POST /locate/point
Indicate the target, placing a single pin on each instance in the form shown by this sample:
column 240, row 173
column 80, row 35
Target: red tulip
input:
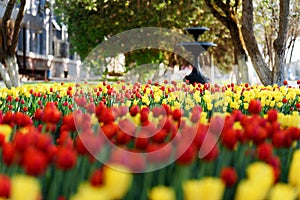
column 166, row 124
column 2, row 140
column 160, row 136
column 195, row 117
column 209, row 150
column 51, row 153
column 200, row 135
column 229, row 138
column 254, row 107
column 272, row 115
column 21, row 141
column 122, row 111
column 99, row 108
column 43, row 142
column 5, row 186
column 8, row 118
column 274, row 161
column 109, row 130
column 294, row 132
column 284, row 100
column 96, row 178
column 142, row 140
column 8, row 153
column 159, row 153
column 9, row 98
column 88, row 143
column 177, row 114
column 132, row 160
column 22, row 120
column 90, row 108
column 122, row 138
column 273, row 128
column 127, row 126
column 38, row 114
column 80, row 101
column 69, row 122
column 264, row 151
column 167, row 109
column 229, row 176
column 278, row 139
column 144, row 115
column 66, row 158
column 134, row 110
column 216, row 125
column 156, row 111
column 63, row 137
column 186, row 153
column 106, row 116
column 51, row 113
column 34, row 162
column 212, row 154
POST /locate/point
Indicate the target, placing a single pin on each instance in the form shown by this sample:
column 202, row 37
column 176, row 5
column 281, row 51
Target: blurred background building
column 43, row 48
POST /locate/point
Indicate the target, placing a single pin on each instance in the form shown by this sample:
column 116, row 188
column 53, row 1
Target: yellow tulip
column 88, row 192
column 207, row 188
column 209, row 106
column 117, row 181
column 262, row 173
column 250, row 190
column 162, row 193
column 5, row 130
column 156, row 98
column 128, row 103
column 145, row 99
column 25, row 188
column 246, row 106
column 283, row 191
column 177, row 105
column 237, row 126
column 294, row 175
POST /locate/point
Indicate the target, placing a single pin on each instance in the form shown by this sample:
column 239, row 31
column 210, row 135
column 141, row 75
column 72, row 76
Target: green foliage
column 267, row 24
column 90, row 22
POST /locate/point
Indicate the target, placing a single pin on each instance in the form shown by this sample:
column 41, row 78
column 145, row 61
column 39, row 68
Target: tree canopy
column 9, row 34
column 89, row 22
column 276, row 26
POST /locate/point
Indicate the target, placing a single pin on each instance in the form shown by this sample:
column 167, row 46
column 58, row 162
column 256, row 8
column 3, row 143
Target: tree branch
column 216, row 13
column 259, row 64
column 8, row 10
column 16, row 31
column 236, row 5
column 5, row 20
column 228, row 3
column 222, row 6
column 280, row 41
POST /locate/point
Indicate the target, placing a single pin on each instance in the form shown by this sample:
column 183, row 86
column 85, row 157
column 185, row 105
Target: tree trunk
column 9, row 34
column 260, row 66
column 243, row 69
column 5, row 76
column 10, row 73
column 228, row 17
column 239, row 51
column 13, row 70
column 280, row 43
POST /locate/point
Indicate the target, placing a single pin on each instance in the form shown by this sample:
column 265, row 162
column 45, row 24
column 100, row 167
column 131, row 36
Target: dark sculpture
column 196, row 48
column 195, row 77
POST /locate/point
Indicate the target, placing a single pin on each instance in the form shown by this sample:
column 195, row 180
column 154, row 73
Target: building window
column 20, row 41
column 42, row 41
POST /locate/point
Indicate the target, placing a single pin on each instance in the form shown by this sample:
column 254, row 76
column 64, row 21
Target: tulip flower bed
column 149, row 141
